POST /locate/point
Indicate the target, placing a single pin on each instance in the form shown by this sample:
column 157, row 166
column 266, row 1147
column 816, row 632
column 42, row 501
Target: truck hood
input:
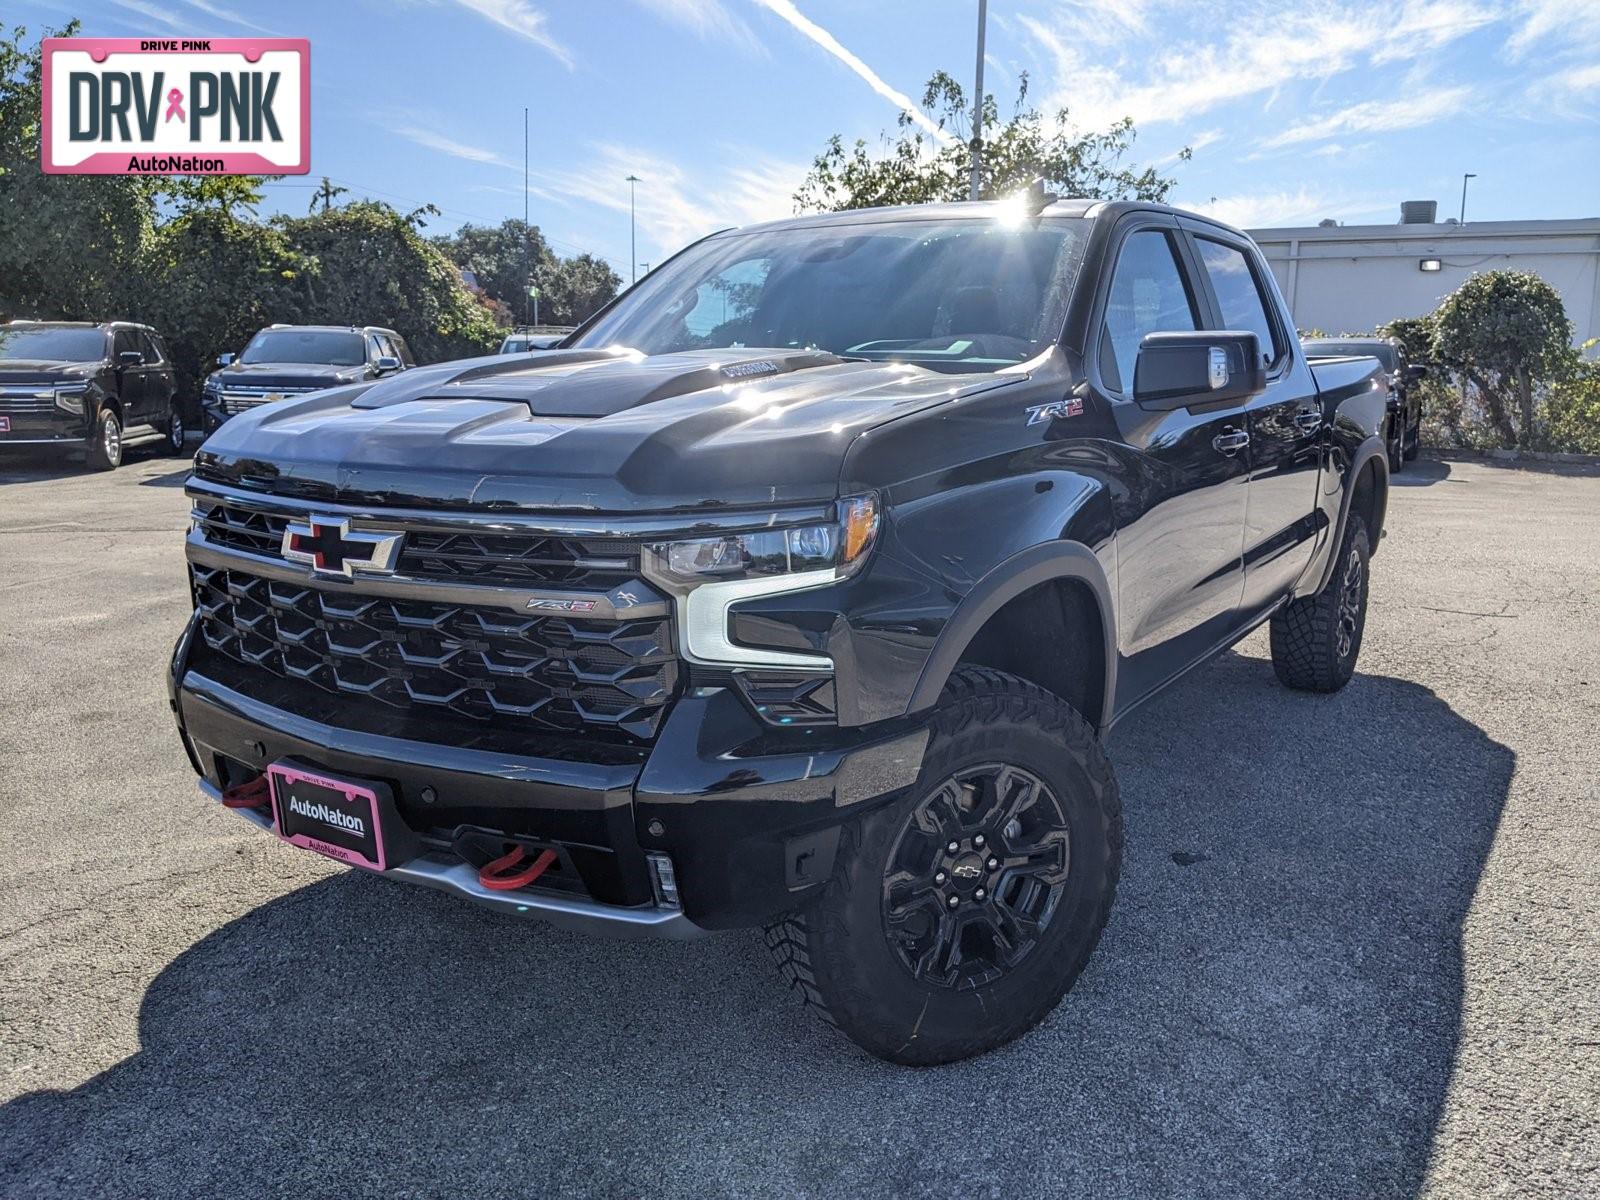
column 581, row 431
column 18, row 370
column 288, row 375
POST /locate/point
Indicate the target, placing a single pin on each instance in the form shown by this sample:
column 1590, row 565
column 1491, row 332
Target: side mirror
column 224, row 359
column 387, row 363
column 1416, row 371
column 130, row 358
column 1186, row 370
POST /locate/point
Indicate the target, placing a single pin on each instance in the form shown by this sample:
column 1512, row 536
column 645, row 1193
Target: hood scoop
column 598, row 383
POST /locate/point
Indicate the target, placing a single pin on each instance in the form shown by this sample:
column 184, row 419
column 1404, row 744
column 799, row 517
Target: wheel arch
column 1068, row 573
column 1366, row 491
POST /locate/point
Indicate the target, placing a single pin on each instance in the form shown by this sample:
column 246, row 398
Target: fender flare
column 1371, row 450
column 1010, row 579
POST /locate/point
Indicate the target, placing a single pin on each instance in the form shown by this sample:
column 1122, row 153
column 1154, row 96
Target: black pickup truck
column 798, row 590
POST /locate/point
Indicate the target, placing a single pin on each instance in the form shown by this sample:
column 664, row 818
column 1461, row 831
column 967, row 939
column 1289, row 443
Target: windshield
column 53, row 345
column 969, row 295
column 1378, row 350
column 306, row 346
column 514, row 346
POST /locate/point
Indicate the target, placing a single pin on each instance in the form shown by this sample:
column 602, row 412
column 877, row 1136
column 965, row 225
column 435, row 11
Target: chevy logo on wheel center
column 169, row 106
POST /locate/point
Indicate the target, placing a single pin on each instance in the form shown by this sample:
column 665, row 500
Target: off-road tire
column 1308, row 651
column 836, row 953
column 105, row 447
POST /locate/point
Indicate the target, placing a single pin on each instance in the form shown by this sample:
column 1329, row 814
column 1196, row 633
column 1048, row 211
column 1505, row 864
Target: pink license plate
column 330, row 816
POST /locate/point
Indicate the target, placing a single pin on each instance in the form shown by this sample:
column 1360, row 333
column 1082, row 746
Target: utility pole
column 1464, row 178
column 527, row 266
column 977, row 106
column 633, row 244
column 325, row 192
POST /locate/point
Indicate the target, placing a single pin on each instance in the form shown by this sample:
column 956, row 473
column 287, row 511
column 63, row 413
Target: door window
column 1148, row 295
column 125, row 340
column 1239, row 295
column 151, row 349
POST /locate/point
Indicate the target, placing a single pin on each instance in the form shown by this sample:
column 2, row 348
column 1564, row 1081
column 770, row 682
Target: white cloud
column 707, row 19
column 673, row 206
column 1181, row 78
column 786, row 10
column 1299, row 207
column 522, row 19
column 1376, row 116
column 151, row 12
column 445, row 145
column 1575, row 22
column 226, row 14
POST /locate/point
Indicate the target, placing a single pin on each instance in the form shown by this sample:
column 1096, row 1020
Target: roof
column 81, row 324
column 1430, row 232
column 971, row 210
column 333, row 328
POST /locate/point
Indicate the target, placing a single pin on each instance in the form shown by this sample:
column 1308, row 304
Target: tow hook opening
column 515, row 869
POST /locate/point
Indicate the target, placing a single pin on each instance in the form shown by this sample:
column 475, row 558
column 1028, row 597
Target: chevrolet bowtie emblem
column 329, row 547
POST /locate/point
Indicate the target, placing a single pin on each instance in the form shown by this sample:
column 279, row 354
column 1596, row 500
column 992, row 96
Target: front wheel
column 1414, row 442
column 1316, row 639
column 1396, row 444
column 958, row 917
column 105, row 448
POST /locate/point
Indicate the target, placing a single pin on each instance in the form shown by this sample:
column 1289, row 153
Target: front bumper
column 48, row 428
column 749, row 817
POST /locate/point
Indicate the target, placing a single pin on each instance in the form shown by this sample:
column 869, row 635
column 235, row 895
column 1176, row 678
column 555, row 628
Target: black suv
column 1402, row 432
column 290, row 360
column 99, row 387
column 799, row 589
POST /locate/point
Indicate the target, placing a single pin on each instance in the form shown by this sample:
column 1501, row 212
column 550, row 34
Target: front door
column 130, row 378
column 1285, row 421
column 1179, row 519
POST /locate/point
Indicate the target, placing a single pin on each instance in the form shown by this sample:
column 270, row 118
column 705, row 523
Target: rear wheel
column 958, row 917
column 174, row 429
column 1317, row 639
column 105, row 448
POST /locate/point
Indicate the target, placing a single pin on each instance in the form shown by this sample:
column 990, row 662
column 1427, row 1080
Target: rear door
column 131, row 388
column 1284, row 422
column 159, row 382
column 1179, row 571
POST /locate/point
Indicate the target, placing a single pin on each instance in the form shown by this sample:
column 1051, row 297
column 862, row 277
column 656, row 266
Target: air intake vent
column 1419, row 212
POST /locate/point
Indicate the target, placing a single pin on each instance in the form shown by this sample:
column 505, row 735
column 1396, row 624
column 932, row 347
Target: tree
column 503, row 257
column 1506, row 332
column 372, row 267
column 576, row 289
column 67, row 243
column 913, row 169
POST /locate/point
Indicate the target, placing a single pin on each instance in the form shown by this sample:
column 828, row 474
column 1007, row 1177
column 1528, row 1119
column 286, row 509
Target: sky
column 1295, row 110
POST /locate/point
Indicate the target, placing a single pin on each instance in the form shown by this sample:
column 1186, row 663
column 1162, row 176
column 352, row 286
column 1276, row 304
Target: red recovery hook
column 253, row 794
column 504, row 875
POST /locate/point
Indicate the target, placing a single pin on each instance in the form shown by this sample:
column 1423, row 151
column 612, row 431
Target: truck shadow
column 1275, row 1008
column 1424, row 472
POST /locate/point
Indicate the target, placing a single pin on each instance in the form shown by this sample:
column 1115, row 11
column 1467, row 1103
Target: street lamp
column 977, row 107
column 1464, row 178
column 633, row 245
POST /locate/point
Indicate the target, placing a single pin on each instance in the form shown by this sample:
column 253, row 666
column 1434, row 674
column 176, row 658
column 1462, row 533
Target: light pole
column 977, row 106
column 1463, row 218
column 633, row 244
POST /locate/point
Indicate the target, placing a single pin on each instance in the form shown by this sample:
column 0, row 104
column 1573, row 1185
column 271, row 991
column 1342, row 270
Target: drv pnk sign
column 170, row 106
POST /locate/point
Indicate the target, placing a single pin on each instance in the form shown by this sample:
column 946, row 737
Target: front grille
column 27, row 401
column 239, row 400
column 550, row 673
column 485, row 559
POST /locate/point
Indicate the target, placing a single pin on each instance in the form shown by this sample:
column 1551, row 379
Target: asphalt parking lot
column 1356, row 951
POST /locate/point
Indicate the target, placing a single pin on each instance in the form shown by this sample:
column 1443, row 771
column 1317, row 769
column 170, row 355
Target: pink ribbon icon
column 175, row 105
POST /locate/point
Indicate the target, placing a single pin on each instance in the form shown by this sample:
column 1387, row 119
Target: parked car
column 1402, row 433
column 289, row 360
column 95, row 387
column 534, row 337
column 799, row 590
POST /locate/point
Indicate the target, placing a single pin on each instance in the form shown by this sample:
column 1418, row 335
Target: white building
column 1352, row 278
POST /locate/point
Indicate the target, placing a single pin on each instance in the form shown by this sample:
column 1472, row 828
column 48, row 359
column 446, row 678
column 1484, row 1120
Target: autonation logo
column 328, row 816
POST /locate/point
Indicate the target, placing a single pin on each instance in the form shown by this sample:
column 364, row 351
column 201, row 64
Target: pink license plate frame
column 362, row 804
column 5, row 424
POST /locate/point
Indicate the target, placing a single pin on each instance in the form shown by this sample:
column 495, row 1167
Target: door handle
column 1308, row 420
column 1230, row 441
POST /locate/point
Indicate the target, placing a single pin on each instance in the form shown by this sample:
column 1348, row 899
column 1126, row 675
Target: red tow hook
column 248, row 795
column 503, row 875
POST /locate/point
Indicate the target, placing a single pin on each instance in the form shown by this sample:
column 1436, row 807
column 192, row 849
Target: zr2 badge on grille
column 330, row 547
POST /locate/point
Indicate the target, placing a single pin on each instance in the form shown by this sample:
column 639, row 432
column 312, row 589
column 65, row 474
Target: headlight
column 708, row 575
column 70, row 398
column 211, row 387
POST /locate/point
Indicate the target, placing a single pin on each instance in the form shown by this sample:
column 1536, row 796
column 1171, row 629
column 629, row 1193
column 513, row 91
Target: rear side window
column 1148, row 295
column 1238, row 294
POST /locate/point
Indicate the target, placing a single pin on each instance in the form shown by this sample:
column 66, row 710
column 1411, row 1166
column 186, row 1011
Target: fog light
column 663, row 880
